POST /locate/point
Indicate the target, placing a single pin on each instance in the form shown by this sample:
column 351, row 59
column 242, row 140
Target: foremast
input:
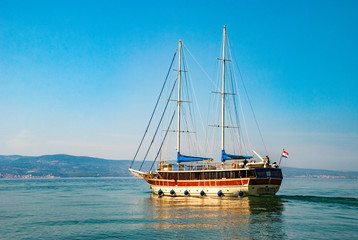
column 180, row 157
column 179, row 98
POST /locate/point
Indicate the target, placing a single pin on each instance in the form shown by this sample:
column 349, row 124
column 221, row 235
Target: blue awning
column 183, row 158
column 225, row 156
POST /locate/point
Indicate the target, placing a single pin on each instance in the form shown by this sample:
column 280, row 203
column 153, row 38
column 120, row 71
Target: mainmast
column 179, row 88
column 223, row 95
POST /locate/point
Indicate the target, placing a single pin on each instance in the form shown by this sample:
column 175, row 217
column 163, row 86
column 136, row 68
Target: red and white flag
column 284, row 154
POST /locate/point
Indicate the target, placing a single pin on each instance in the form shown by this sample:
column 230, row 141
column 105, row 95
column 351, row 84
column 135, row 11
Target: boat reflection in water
column 218, row 217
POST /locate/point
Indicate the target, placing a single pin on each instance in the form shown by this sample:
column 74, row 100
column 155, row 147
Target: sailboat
column 234, row 175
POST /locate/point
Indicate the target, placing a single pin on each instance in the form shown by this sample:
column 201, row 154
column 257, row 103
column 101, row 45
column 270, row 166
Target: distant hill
column 317, row 173
column 61, row 165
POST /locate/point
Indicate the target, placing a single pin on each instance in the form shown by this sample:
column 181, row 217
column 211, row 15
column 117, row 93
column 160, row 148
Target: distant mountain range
column 61, row 165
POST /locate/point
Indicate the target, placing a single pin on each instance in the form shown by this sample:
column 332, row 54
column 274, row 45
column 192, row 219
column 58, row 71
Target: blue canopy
column 183, row 158
column 225, row 156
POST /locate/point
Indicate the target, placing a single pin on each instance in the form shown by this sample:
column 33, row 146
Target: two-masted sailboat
column 235, row 175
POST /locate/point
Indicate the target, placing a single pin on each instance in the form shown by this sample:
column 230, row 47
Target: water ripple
column 322, row 199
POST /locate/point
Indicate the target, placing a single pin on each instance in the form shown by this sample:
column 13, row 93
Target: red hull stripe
column 193, row 183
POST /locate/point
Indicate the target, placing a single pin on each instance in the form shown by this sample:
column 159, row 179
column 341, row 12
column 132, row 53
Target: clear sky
column 82, row 77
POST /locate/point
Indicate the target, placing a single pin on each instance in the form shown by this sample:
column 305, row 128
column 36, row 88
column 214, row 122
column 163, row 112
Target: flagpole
column 279, row 164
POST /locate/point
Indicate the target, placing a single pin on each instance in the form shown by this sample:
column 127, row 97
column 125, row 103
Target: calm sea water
column 112, row 208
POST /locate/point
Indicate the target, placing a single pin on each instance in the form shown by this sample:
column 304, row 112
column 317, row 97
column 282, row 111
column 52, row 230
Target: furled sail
column 183, row 158
column 225, row 156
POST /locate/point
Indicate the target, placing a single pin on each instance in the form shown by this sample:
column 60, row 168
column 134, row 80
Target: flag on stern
column 284, row 154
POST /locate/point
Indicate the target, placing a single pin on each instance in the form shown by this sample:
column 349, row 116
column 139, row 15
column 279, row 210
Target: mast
column 179, row 88
column 223, row 96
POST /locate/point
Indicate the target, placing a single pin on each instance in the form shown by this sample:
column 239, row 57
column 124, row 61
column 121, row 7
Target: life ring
column 233, row 165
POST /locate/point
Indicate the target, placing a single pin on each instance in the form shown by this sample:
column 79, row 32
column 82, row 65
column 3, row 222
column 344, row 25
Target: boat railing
column 202, row 166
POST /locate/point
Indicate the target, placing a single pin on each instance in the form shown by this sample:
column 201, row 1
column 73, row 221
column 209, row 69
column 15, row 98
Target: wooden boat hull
column 213, row 188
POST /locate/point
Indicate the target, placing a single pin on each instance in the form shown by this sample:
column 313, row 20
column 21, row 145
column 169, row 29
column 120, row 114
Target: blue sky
column 81, row 77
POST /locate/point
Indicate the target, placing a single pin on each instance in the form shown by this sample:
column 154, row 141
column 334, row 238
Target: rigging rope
column 241, row 108
column 197, row 145
column 207, row 75
column 156, row 105
column 253, row 113
column 187, row 95
column 232, row 81
column 165, row 136
column 160, row 121
column 192, row 142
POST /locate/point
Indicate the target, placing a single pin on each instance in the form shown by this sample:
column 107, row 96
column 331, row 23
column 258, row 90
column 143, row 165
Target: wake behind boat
column 235, row 175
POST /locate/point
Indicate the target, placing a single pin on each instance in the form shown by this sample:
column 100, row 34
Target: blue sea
column 124, row 208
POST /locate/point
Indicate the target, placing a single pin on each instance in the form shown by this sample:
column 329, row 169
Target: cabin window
column 184, row 176
column 276, row 173
column 251, row 173
column 261, row 173
column 268, row 173
column 226, row 174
